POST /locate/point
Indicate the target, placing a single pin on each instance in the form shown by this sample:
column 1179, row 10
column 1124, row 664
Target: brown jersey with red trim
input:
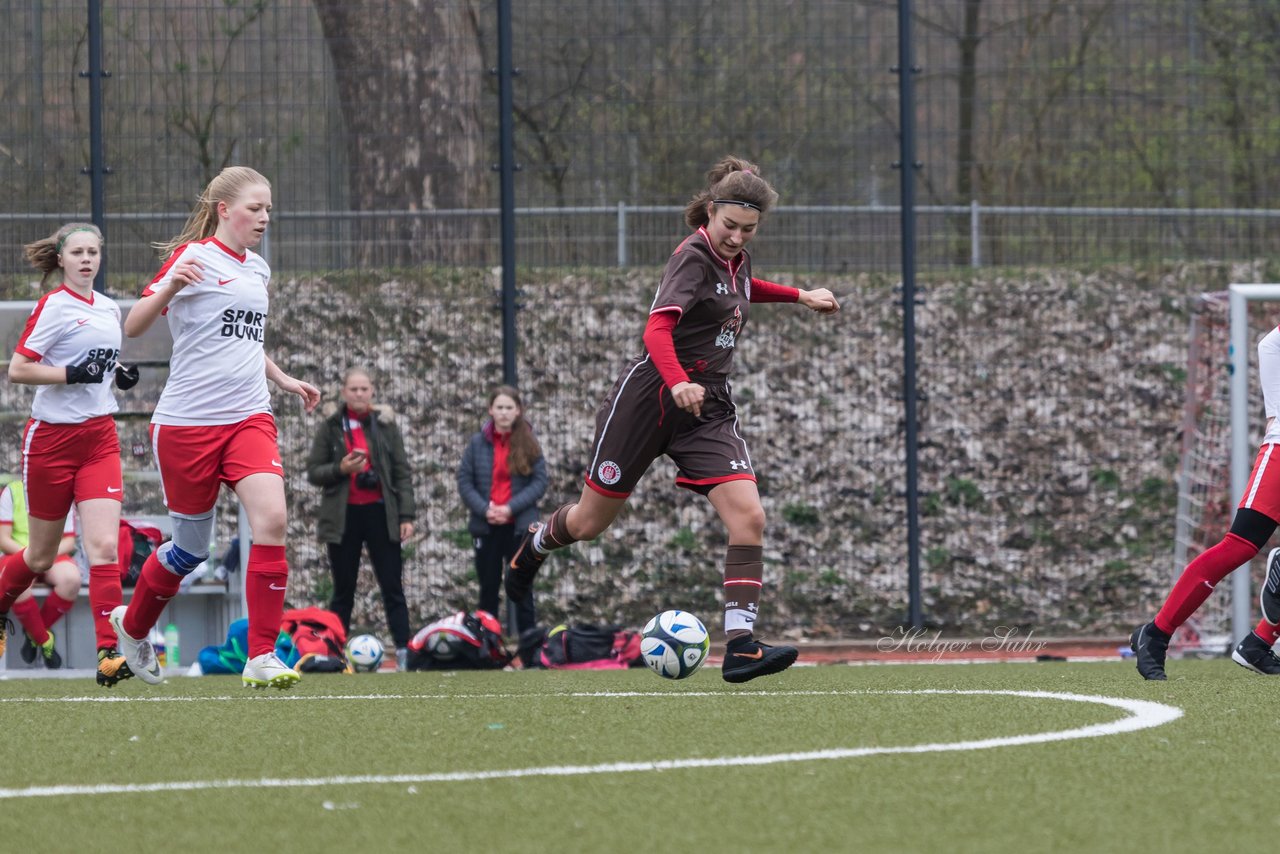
column 712, row 296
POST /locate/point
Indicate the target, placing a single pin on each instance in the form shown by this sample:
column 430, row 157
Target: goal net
column 1221, row 427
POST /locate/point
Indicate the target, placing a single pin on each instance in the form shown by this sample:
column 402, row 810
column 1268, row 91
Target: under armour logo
column 722, row 288
column 738, row 464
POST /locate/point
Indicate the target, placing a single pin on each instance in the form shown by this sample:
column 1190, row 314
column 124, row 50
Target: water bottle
column 171, row 646
column 157, row 644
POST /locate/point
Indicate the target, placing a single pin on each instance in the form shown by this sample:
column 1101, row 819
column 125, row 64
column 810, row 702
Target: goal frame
column 1239, row 296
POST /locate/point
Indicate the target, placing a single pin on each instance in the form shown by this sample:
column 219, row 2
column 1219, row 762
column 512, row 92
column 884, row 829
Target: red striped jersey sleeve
column 34, row 341
column 762, row 291
column 662, row 347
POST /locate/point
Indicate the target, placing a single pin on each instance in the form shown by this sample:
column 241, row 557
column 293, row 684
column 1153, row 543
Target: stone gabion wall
column 1050, row 409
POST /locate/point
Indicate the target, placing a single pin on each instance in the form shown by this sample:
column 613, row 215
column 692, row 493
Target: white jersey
column 66, row 329
column 217, row 373
column 1269, row 377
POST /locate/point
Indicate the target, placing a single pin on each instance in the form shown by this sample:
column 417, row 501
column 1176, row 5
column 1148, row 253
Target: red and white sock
column 1200, row 577
column 156, row 586
column 55, row 608
column 15, row 577
column 1267, row 632
column 105, row 595
column 266, row 581
column 28, row 613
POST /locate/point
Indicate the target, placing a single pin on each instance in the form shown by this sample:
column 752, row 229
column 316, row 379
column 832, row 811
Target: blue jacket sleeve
column 471, row 496
column 533, row 490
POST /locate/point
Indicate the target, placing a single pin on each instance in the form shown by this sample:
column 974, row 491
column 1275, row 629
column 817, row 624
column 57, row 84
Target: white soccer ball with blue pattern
column 365, row 653
column 674, row 644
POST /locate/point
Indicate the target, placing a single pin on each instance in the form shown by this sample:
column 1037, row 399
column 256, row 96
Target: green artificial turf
column 543, row 737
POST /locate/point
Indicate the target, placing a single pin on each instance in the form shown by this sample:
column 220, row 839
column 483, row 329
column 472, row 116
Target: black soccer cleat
column 1150, row 645
column 524, row 567
column 27, row 650
column 49, row 652
column 1269, row 597
column 1255, row 654
column 747, row 658
column 112, row 667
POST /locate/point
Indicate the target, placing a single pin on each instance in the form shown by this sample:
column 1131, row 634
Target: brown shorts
column 639, row 422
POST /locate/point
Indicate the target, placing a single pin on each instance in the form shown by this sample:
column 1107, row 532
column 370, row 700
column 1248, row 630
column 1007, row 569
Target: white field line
column 1142, row 714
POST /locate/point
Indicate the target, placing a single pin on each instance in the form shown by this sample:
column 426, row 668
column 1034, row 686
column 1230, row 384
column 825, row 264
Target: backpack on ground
column 319, row 642
column 582, row 647
column 136, row 543
column 464, row 641
column 231, row 656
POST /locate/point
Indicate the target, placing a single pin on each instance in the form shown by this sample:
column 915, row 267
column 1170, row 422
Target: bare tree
column 411, row 100
column 191, row 64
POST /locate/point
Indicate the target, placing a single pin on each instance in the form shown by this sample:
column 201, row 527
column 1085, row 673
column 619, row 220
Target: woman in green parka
column 358, row 459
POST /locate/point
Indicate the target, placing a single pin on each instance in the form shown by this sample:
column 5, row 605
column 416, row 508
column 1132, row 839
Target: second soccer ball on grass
column 365, row 653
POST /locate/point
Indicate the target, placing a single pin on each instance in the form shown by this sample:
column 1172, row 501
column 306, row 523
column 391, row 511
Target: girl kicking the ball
column 675, row 399
column 213, row 422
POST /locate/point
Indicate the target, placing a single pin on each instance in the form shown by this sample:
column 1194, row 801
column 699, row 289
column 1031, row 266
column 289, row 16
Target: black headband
column 737, row 202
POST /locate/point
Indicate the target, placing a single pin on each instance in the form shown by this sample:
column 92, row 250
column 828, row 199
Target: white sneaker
column 139, row 654
column 268, row 671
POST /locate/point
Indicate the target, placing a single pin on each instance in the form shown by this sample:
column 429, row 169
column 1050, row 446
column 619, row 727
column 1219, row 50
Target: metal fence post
column 97, row 169
column 507, row 168
column 907, row 166
column 622, row 234
column 975, row 235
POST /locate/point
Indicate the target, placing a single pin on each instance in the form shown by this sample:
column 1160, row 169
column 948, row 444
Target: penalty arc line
column 1142, row 714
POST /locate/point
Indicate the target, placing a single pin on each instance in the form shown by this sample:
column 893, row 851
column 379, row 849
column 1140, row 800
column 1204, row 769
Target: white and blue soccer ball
column 365, row 653
column 674, row 644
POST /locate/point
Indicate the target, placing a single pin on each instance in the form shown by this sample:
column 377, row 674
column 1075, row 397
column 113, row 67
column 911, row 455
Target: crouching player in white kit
column 213, row 422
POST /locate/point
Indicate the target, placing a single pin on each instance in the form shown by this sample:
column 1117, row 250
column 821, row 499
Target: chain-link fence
column 1087, row 131
column 1049, row 133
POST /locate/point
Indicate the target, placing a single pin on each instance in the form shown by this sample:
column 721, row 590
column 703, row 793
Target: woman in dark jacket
column 501, row 478
column 358, row 458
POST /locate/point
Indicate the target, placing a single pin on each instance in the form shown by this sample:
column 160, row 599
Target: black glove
column 126, row 376
column 91, row 370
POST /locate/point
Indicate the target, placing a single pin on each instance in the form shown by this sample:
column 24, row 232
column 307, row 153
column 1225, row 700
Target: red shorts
column 64, row 464
column 195, row 461
column 1262, row 492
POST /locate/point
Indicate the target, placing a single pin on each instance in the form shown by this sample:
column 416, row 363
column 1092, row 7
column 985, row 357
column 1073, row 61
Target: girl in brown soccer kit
column 675, row 399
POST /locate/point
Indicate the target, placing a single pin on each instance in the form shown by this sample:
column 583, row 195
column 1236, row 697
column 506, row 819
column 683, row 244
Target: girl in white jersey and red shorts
column 70, row 452
column 675, row 400
column 213, row 422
